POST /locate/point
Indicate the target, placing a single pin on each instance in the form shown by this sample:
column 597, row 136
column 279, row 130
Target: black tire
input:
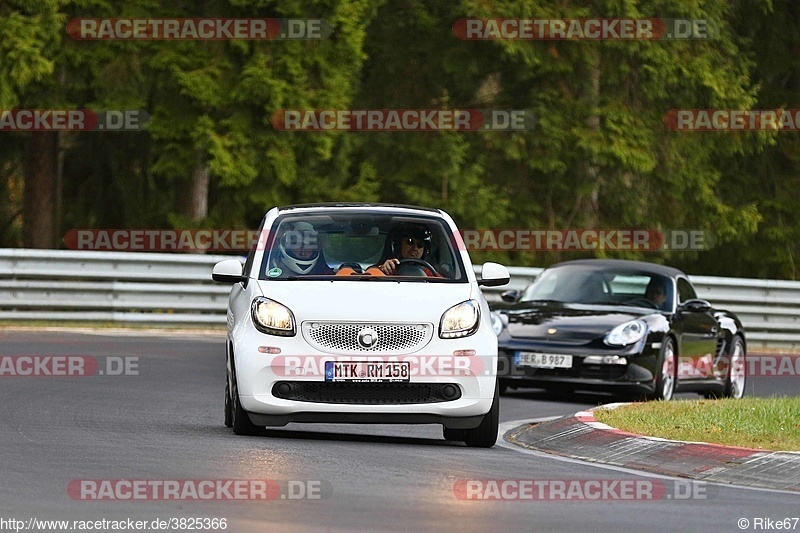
column 666, row 373
column 736, row 378
column 228, row 410
column 712, row 395
column 485, row 435
column 503, row 385
column 456, row 435
column 241, row 423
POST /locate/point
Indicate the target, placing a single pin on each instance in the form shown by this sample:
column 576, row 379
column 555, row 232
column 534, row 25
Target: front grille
column 387, row 338
column 367, row 393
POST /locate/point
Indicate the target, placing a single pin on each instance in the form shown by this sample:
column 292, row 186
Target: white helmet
column 301, row 238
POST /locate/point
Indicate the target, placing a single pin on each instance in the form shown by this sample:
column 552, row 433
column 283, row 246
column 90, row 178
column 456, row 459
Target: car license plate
column 362, row 371
column 543, row 360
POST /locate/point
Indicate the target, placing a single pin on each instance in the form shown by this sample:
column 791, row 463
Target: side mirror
column 228, row 271
column 510, row 296
column 695, row 306
column 494, row 275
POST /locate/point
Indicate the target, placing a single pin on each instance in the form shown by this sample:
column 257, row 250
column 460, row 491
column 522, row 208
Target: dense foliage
column 600, row 155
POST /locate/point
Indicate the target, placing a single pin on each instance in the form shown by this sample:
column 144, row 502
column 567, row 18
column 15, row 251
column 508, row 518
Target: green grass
column 765, row 423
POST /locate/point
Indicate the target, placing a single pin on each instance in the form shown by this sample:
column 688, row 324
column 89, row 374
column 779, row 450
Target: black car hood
column 571, row 322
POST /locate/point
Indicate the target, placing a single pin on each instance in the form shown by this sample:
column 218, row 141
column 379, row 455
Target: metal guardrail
column 163, row 289
column 120, row 287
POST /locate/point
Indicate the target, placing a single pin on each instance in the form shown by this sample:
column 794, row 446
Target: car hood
column 571, row 322
column 372, row 301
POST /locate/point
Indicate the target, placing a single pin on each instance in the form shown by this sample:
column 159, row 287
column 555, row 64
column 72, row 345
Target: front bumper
column 637, row 374
column 310, row 398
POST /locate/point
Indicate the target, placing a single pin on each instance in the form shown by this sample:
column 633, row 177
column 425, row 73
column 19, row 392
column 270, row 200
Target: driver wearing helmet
column 298, row 253
column 410, row 241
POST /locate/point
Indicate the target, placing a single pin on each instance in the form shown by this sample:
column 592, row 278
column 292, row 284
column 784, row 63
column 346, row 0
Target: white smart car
column 361, row 313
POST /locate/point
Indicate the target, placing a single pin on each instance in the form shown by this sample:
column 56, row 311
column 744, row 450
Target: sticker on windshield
column 274, row 272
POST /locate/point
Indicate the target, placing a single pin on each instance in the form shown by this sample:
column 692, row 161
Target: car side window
column 685, row 291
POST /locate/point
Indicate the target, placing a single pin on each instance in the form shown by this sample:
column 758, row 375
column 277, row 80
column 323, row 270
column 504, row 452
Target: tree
column 28, row 45
column 600, row 155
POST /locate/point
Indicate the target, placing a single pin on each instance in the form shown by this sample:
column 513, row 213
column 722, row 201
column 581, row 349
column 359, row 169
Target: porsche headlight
column 497, row 323
column 271, row 317
column 461, row 320
column 627, row 333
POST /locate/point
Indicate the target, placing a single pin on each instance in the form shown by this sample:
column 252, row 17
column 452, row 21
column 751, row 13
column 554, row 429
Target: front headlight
column 497, row 323
column 271, row 317
column 627, row 333
column 461, row 320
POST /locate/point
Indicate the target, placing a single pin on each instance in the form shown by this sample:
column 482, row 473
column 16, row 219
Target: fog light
column 284, row 389
column 449, row 391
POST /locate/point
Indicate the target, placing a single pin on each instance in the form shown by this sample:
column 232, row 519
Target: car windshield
column 351, row 245
column 606, row 286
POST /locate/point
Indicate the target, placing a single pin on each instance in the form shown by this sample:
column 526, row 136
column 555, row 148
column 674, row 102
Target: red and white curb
column 581, row 436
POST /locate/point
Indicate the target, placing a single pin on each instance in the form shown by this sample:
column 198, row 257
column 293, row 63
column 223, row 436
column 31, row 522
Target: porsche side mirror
column 695, row 306
column 510, row 296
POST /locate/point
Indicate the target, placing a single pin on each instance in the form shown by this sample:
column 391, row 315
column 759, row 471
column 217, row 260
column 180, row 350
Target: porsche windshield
column 590, row 285
column 356, row 246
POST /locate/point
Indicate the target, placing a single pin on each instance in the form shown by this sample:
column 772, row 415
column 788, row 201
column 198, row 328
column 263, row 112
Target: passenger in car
column 298, row 253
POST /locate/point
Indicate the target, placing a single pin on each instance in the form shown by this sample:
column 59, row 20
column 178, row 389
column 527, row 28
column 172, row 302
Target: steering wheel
column 645, row 301
column 354, row 266
column 406, row 267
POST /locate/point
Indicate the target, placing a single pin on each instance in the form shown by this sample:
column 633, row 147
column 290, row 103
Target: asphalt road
column 164, row 422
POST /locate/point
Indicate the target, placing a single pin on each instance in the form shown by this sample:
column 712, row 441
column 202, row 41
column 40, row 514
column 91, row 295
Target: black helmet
column 411, row 230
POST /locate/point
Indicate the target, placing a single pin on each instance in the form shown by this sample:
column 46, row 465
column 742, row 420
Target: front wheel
column 228, row 409
column 665, row 374
column 485, row 435
column 241, row 422
column 734, row 383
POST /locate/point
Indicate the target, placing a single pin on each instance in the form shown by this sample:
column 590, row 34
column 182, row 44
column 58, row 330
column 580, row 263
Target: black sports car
column 621, row 327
